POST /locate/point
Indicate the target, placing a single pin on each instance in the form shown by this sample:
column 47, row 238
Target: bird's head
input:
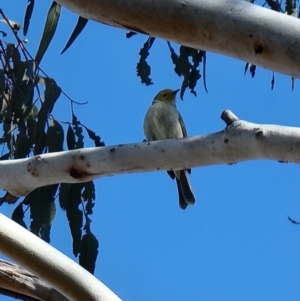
column 166, row 95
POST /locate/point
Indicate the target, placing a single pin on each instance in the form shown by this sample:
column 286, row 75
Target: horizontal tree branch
column 239, row 141
column 234, row 28
column 20, row 282
column 43, row 260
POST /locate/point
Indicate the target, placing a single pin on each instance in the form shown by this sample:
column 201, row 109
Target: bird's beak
column 175, row 91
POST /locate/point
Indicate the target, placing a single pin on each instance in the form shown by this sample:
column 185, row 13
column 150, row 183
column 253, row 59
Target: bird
column 163, row 121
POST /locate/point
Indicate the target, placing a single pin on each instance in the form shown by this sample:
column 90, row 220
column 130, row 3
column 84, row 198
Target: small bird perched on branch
column 163, row 121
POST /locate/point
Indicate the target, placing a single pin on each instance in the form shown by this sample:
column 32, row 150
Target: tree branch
column 17, row 282
column 234, row 28
column 239, row 141
column 64, row 274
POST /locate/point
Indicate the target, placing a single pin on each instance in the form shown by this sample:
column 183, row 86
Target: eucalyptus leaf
column 55, row 137
column 142, row 67
column 88, row 252
column 81, row 23
column 51, row 94
column 49, row 30
column 28, row 15
column 18, row 215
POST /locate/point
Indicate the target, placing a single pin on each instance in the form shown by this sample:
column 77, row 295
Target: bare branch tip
column 228, row 117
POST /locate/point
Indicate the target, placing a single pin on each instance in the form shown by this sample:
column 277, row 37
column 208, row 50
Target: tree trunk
column 230, row 27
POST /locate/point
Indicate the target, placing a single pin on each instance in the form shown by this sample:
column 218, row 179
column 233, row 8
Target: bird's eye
column 164, row 95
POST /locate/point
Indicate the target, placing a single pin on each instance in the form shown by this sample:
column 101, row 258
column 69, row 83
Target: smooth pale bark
column 239, row 141
column 24, row 284
column 64, row 274
column 234, row 28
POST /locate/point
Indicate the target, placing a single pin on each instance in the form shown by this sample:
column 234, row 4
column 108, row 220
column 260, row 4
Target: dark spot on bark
column 148, row 143
column 226, row 140
column 112, row 150
column 34, row 173
column 82, row 156
column 74, row 173
column 259, row 134
column 87, row 165
column 162, row 150
column 250, row 35
column 258, row 47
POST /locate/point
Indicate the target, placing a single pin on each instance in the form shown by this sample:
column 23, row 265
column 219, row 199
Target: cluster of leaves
column 27, row 99
column 183, row 66
column 290, row 8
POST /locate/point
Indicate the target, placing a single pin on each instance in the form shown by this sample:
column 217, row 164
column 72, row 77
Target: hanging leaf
column 51, row 94
column 18, row 215
column 8, row 128
column 48, row 219
column 78, row 132
column 204, row 69
column 55, row 137
column 188, row 68
column 293, row 221
column 246, row 68
column 88, row 252
column 5, row 157
column 37, row 136
column 272, row 81
column 142, row 67
column 49, row 30
column 28, row 15
column 81, row 23
column 23, row 146
column 2, row 85
column 174, row 58
column 42, row 210
column 89, row 196
column 70, row 138
column 130, row 34
column 31, row 68
column 95, row 138
column 252, row 70
column 290, row 8
column 70, row 199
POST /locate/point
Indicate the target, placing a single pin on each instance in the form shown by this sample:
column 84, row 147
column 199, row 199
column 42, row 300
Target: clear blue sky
column 236, row 243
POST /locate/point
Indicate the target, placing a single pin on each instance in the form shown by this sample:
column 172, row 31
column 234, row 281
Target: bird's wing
column 182, row 125
column 184, row 133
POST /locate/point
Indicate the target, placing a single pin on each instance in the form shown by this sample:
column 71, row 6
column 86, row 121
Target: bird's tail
column 185, row 192
column 182, row 202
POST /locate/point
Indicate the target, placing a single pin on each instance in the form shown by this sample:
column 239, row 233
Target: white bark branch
column 64, row 274
column 234, row 28
column 239, row 141
column 19, row 281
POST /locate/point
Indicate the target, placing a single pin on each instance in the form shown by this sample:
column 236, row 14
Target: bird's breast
column 162, row 122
